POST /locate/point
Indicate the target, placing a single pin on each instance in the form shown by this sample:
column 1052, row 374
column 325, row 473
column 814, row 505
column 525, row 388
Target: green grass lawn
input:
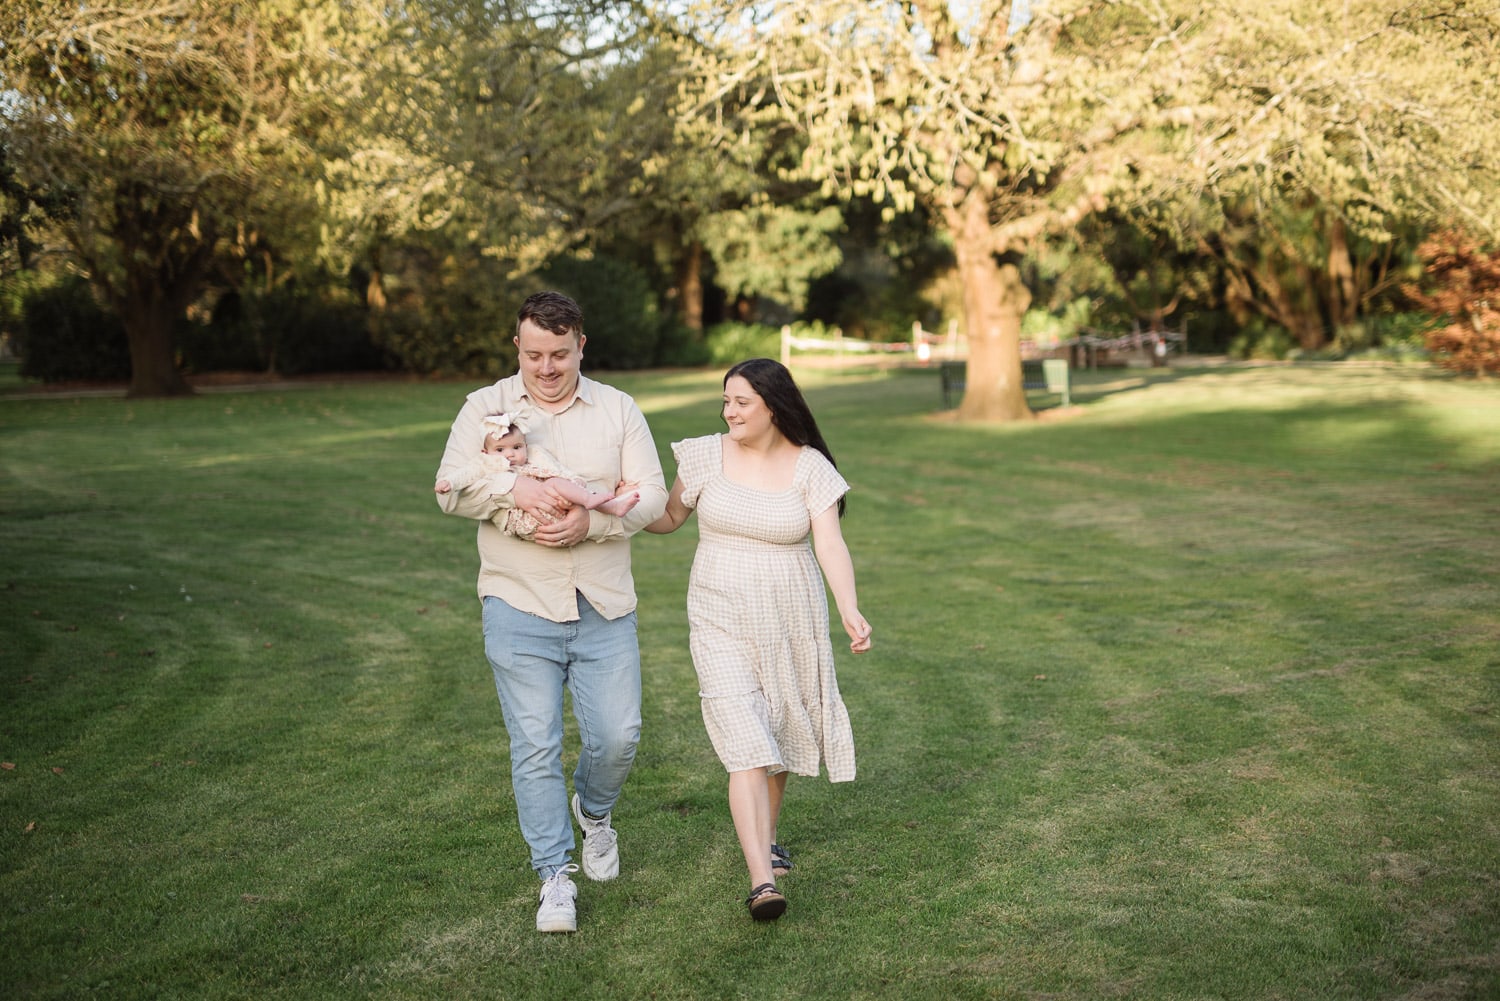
column 1189, row 692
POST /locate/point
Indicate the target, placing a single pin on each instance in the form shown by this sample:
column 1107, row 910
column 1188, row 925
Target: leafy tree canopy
column 178, row 135
column 1009, row 130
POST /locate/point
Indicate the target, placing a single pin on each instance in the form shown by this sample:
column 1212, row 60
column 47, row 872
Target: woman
column 757, row 611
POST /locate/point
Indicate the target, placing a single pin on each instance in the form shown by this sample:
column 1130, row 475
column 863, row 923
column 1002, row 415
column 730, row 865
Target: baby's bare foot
column 620, row 506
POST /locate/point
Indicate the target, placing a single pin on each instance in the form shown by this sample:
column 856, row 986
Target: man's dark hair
column 552, row 311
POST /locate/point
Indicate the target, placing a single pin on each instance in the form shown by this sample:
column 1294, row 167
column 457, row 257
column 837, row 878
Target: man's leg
column 605, row 679
column 528, row 655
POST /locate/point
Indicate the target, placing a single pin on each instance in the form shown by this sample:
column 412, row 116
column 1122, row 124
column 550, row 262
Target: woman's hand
column 859, row 632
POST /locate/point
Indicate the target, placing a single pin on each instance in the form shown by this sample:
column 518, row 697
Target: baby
column 505, row 450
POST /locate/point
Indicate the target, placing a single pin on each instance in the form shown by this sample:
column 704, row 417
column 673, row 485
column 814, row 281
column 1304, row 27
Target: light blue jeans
column 599, row 661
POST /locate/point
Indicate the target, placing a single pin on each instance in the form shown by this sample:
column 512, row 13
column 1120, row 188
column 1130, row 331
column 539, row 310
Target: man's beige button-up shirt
column 603, row 437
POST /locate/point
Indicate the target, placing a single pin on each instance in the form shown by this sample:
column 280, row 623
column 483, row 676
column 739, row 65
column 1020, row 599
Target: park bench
column 1051, row 374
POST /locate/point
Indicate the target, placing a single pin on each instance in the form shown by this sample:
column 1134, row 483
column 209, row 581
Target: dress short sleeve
column 821, row 484
column 698, row 461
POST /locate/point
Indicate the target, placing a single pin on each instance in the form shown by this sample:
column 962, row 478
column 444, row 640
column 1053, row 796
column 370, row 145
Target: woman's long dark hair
column 789, row 410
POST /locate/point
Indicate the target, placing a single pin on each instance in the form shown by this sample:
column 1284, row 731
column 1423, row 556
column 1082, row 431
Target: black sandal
column 766, row 903
column 781, row 861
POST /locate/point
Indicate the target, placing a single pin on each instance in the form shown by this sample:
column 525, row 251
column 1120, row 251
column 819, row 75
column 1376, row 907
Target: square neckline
column 724, row 474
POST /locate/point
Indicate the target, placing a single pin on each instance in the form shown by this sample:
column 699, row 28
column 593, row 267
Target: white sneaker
column 601, row 855
column 557, row 912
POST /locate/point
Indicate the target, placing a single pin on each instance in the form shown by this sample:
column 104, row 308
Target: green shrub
column 682, row 348
column 15, row 288
column 1385, row 336
column 1261, row 340
column 323, row 332
column 1045, row 327
column 66, row 335
column 622, row 320
column 228, row 342
column 292, row 331
column 448, row 309
column 1209, row 331
column 728, row 343
column 436, row 342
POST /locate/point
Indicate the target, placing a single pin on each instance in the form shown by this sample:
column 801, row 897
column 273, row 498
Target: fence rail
column 926, row 346
column 838, row 345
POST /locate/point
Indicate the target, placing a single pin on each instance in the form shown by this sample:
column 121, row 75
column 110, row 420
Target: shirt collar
column 584, row 393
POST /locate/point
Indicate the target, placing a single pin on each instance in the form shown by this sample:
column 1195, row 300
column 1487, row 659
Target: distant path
column 210, row 382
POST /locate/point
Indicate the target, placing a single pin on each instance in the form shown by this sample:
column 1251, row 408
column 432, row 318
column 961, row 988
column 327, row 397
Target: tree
column 669, row 203
column 24, row 217
column 1001, row 130
column 177, row 132
column 1325, row 135
column 774, row 251
column 24, row 210
column 1462, row 289
column 495, row 137
column 1010, row 129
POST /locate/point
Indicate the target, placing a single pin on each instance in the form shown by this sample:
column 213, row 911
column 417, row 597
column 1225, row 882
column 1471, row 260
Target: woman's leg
column 750, row 806
column 776, row 788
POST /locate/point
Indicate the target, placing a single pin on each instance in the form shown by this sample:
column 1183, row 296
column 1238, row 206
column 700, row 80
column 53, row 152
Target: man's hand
column 571, row 528
column 538, row 500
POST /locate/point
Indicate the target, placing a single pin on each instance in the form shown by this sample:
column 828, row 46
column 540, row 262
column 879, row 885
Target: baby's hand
column 442, row 487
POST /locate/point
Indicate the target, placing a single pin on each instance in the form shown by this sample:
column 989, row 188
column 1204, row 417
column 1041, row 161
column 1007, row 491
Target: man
column 559, row 610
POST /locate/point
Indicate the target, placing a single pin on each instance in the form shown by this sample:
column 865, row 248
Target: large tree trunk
column 995, row 299
column 1343, row 293
column 153, row 364
column 166, row 249
column 149, row 313
column 1254, row 286
column 690, row 286
column 375, row 287
column 1291, row 304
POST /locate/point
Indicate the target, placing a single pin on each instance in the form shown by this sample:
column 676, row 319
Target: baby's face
column 511, row 445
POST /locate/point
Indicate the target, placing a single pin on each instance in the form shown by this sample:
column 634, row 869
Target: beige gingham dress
column 758, row 617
